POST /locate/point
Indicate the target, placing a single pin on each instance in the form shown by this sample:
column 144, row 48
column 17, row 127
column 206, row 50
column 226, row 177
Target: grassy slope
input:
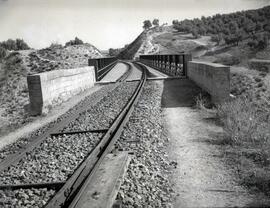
column 247, row 123
column 166, row 40
column 15, row 68
column 132, row 48
column 171, row 41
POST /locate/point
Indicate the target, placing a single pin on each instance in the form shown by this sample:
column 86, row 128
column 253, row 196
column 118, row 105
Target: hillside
column 198, row 36
column 166, row 40
column 17, row 65
column 231, row 39
column 238, row 38
column 130, row 51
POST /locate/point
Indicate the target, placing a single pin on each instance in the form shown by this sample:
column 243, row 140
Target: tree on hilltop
column 55, row 45
column 14, row 45
column 147, row 24
column 155, row 22
column 175, row 22
column 21, row 45
column 77, row 41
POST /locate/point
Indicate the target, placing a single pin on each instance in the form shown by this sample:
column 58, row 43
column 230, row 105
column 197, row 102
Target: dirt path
column 201, row 177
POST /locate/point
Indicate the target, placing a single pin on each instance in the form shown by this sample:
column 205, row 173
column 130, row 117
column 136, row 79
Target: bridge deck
column 135, row 74
column 116, row 72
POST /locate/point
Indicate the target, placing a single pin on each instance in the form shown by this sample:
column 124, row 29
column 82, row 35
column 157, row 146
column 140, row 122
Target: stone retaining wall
column 49, row 88
column 213, row 78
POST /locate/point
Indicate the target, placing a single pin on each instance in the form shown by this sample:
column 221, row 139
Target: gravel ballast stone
column 34, row 198
column 102, row 115
column 54, row 160
column 146, row 183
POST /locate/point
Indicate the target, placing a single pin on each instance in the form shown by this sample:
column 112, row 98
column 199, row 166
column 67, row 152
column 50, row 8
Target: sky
column 103, row 23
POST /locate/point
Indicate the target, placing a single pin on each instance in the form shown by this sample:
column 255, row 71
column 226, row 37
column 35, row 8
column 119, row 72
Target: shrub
column 228, row 60
column 14, row 45
column 114, row 52
column 3, row 52
column 243, row 121
column 147, row 24
column 56, row 46
column 21, row 45
column 195, row 33
column 76, row 41
column 203, row 101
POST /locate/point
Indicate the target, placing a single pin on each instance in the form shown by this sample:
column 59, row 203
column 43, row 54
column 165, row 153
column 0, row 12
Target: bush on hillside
column 114, row 52
column 247, row 140
column 243, row 121
column 76, row 41
column 56, row 46
column 21, row 45
column 3, row 52
column 259, row 41
column 14, row 45
column 227, row 60
column 195, row 33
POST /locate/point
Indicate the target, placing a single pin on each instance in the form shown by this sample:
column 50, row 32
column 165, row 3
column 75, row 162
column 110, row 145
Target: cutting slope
column 166, row 40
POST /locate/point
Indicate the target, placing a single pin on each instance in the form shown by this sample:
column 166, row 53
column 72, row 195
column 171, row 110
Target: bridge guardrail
column 102, row 66
column 171, row 64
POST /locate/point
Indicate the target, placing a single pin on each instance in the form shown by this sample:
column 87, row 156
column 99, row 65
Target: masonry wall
column 50, row 88
column 213, row 78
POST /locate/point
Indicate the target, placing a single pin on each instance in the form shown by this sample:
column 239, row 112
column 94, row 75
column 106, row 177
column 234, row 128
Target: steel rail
column 56, row 185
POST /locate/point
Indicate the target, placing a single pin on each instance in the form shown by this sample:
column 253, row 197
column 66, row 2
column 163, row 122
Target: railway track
column 14, row 151
column 56, row 166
